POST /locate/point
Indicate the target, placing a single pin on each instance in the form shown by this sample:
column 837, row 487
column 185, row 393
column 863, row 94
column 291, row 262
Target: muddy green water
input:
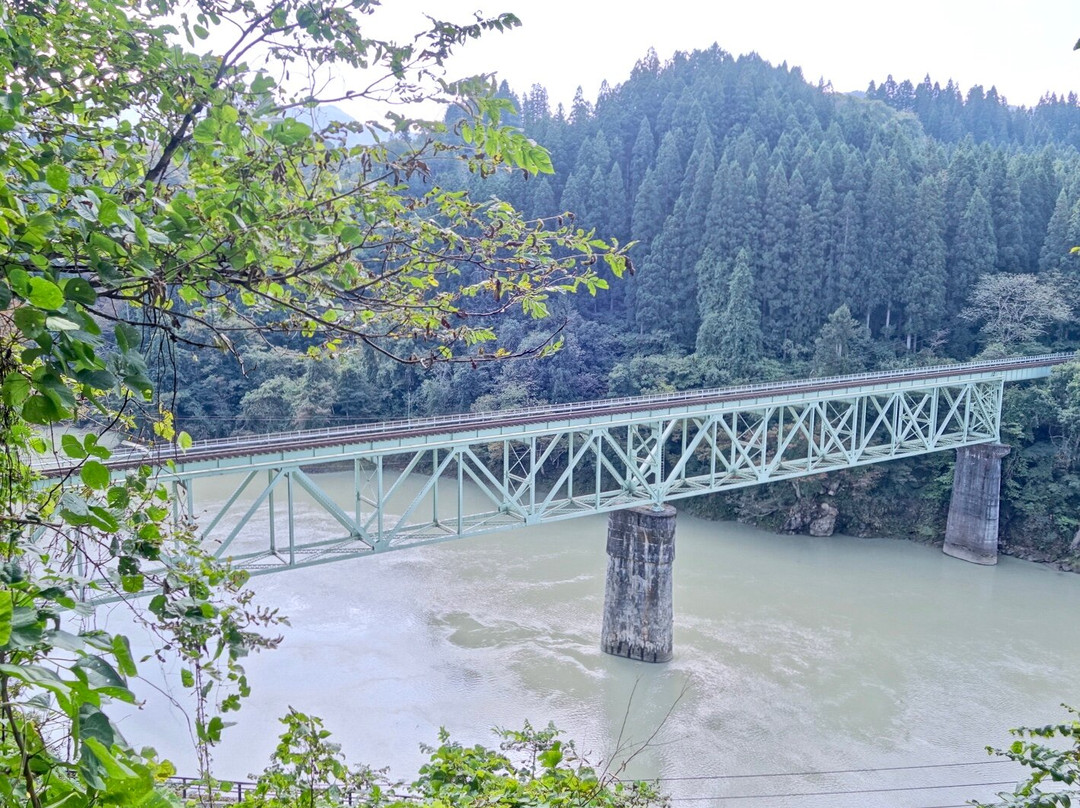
column 792, row 654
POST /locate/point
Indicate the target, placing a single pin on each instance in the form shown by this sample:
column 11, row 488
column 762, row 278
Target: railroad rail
column 245, row 445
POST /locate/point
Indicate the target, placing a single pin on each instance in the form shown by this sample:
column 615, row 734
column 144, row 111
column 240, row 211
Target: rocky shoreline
column 858, row 504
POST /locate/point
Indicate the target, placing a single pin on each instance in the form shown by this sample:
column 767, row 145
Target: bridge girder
column 404, row 496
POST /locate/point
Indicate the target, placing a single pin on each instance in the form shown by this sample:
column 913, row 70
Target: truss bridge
column 418, row 481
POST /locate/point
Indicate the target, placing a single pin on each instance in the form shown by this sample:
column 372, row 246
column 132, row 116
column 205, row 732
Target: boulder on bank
column 815, row 518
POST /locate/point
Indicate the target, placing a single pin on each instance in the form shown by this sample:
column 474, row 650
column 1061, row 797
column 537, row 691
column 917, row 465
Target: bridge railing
column 616, row 403
column 561, row 411
column 228, row 792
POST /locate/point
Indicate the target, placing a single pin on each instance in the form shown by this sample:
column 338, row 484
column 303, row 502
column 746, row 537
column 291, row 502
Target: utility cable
column 829, row 771
column 839, row 792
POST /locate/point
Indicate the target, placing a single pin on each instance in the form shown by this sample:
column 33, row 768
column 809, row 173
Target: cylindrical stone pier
column 637, row 602
column 971, row 533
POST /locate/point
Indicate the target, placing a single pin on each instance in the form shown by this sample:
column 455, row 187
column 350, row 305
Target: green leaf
column 141, row 234
column 73, row 447
column 61, row 324
column 80, row 291
column 103, row 519
column 205, row 131
column 95, row 474
column 99, row 673
column 289, row 132
column 118, row 497
column 57, row 176
column 26, row 627
column 127, row 336
column 19, row 279
column 65, row 640
column 108, row 213
column 7, row 610
column 30, row 321
column 37, row 676
column 228, row 113
column 15, row 389
column 262, row 83
column 44, row 294
column 351, row 234
column 122, row 652
column 95, row 724
column 552, row 757
column 39, row 409
column 90, row 443
column 212, row 733
column 98, row 379
column 40, row 224
column 183, row 440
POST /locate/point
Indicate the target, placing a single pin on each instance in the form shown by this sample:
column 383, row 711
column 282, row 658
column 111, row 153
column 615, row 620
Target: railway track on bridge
column 57, row 465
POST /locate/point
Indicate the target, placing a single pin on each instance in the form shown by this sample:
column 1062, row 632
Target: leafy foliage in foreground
column 153, row 195
column 1049, row 763
column 530, row 768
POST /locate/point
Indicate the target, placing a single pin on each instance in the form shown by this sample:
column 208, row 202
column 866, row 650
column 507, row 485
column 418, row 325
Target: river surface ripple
column 792, row 654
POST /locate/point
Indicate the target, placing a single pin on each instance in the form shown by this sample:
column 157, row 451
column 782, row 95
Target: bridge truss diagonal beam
column 472, row 483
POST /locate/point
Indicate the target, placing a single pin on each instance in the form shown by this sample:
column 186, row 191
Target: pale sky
column 1024, row 48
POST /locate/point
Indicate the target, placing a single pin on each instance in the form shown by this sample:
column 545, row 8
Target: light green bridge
column 421, row 481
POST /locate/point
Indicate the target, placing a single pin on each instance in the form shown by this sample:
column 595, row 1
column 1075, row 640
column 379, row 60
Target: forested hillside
column 836, row 200
column 781, row 229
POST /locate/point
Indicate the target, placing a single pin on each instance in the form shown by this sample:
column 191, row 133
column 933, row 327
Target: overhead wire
column 839, row 792
column 865, row 770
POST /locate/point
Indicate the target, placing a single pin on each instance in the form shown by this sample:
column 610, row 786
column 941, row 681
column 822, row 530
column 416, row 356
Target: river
column 792, row 654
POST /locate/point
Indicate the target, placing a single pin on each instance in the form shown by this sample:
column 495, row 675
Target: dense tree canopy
column 838, row 200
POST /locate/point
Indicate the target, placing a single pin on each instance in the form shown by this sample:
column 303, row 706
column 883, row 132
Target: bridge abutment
column 971, row 533
column 637, row 601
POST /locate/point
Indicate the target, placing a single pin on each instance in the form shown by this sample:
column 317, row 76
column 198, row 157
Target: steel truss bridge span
column 421, row 481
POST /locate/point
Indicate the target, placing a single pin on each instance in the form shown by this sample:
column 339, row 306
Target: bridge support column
column 637, row 602
column 971, row 533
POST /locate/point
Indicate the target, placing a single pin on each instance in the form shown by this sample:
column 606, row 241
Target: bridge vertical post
column 273, row 515
column 971, row 533
column 358, row 510
column 638, row 595
column 435, row 487
column 292, row 519
column 175, row 505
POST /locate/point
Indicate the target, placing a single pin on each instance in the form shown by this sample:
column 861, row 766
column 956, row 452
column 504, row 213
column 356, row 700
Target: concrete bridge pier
column 637, row 601
column 971, row 533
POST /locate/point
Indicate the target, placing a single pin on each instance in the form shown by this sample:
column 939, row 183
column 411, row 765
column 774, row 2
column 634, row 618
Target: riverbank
column 902, row 499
